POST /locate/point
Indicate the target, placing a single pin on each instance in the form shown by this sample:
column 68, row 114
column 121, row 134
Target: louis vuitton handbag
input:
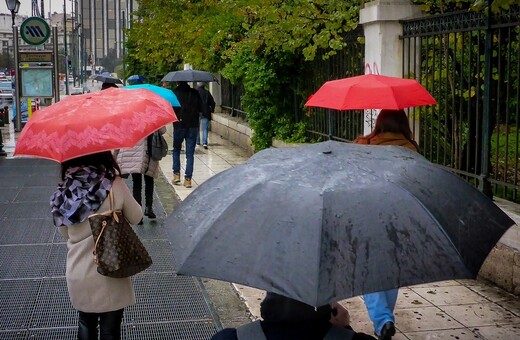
column 118, row 252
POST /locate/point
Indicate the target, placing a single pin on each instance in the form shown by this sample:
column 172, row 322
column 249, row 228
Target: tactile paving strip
column 17, row 301
column 53, row 307
column 25, row 261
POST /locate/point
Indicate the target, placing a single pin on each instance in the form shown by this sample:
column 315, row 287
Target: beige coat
column 136, row 160
column 90, row 291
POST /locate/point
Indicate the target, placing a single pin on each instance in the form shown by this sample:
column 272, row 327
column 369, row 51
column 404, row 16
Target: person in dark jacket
column 187, row 128
column 208, row 107
column 288, row 319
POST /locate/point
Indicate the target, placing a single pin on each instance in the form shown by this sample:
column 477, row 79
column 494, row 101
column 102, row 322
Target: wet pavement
column 466, row 309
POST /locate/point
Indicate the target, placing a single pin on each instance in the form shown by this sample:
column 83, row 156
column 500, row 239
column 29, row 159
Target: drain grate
column 26, row 231
column 13, row 335
column 25, row 261
column 161, row 255
column 166, row 297
column 151, row 230
column 52, row 333
column 53, row 307
column 37, row 194
column 8, row 195
column 57, row 262
column 28, row 210
column 170, row 331
column 17, row 301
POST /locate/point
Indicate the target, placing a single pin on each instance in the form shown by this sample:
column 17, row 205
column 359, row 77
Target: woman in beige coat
column 84, row 191
column 136, row 162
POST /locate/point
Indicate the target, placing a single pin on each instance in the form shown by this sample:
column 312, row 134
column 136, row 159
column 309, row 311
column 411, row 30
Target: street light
column 13, row 6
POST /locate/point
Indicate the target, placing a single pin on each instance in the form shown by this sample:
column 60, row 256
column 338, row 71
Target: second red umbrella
column 371, row 92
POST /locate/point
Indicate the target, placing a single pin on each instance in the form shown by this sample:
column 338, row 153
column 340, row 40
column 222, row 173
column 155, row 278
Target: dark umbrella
column 136, row 79
column 107, row 78
column 190, row 75
column 332, row 220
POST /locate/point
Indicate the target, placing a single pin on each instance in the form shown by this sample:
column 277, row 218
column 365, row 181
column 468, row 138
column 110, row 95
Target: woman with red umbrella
column 391, row 128
column 100, row 300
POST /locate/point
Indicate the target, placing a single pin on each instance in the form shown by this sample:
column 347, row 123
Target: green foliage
column 258, row 43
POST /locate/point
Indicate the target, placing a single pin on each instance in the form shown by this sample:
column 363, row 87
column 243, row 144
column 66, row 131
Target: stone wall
column 233, row 129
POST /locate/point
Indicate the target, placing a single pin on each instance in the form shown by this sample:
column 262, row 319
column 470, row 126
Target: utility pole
column 65, row 47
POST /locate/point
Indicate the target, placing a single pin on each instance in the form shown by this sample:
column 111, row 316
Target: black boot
column 387, row 332
column 148, row 211
column 148, row 196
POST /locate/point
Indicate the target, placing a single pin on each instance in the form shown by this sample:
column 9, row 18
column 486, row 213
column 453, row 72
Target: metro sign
column 35, row 31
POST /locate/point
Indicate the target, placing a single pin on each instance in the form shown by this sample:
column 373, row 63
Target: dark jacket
column 208, row 103
column 288, row 319
column 191, row 105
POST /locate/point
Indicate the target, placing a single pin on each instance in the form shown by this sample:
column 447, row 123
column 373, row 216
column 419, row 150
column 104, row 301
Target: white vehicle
column 6, row 90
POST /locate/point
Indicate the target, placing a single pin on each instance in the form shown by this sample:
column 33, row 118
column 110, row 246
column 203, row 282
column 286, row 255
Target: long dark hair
column 104, row 160
column 394, row 121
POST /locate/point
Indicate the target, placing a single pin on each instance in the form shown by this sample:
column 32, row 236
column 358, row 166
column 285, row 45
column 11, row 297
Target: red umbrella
column 371, row 91
column 93, row 122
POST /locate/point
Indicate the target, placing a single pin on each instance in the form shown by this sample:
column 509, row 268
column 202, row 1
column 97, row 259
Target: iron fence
column 470, row 62
column 331, row 124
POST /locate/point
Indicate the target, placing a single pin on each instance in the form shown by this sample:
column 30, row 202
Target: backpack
column 157, row 146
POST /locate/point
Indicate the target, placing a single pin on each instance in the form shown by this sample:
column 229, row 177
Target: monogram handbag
column 118, row 252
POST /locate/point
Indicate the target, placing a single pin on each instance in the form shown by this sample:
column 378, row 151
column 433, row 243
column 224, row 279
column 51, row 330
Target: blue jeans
column 380, row 307
column 204, row 125
column 179, row 135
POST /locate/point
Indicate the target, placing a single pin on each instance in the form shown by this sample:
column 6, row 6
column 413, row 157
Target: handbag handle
column 104, row 224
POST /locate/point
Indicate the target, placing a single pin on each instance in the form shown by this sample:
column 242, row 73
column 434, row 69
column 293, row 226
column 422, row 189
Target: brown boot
column 187, row 182
column 176, row 178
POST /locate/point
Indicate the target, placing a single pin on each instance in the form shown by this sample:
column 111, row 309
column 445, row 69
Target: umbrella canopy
column 332, row 220
column 190, row 75
column 107, row 78
column 93, row 122
column 136, row 79
column 161, row 91
column 371, row 91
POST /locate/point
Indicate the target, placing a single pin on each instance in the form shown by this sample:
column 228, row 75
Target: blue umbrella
column 136, row 79
column 161, row 91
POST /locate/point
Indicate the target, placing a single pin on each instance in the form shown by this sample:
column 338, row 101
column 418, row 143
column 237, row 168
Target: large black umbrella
column 332, row 220
column 107, row 78
column 190, row 75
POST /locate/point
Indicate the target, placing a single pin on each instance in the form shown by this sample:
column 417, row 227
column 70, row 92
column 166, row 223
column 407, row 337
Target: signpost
column 35, row 70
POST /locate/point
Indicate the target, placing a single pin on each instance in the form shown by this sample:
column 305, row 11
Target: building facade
column 102, row 27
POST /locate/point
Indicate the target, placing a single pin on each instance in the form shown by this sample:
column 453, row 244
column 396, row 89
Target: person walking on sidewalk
column 86, row 183
column 284, row 318
column 391, row 128
column 137, row 162
column 186, row 129
column 208, row 107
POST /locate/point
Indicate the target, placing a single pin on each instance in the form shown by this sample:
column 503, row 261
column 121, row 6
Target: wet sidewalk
column 465, row 309
column 34, row 302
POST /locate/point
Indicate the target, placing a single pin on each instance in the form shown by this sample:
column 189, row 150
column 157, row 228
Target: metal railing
column 471, row 64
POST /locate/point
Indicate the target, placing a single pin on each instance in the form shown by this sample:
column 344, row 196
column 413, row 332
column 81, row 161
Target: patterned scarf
column 80, row 195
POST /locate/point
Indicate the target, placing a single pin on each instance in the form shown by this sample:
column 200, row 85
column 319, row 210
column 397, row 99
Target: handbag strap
column 104, row 224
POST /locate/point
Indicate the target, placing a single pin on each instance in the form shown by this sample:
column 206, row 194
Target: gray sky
column 50, row 6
